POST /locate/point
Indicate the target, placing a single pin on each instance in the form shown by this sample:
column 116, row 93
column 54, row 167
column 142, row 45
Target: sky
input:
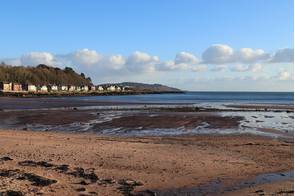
column 195, row 45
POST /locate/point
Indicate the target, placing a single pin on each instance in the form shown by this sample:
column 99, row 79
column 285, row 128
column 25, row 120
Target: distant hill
column 141, row 86
column 42, row 75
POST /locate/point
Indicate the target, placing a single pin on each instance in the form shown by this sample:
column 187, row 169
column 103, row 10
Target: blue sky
column 192, row 45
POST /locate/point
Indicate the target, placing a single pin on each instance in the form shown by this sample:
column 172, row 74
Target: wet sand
column 116, row 165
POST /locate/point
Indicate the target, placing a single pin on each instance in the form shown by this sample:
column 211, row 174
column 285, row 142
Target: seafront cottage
column 78, row 88
column 84, row 88
column 99, row 88
column 110, row 88
column 29, row 87
column 71, row 88
column 16, row 87
column 92, row 88
column 5, row 86
column 62, row 87
column 42, row 88
column 52, row 87
column 117, row 88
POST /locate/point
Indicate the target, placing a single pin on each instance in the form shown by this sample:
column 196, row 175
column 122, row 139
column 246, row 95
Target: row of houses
column 15, row 87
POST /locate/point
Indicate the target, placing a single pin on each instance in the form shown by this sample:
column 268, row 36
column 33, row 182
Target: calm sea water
column 199, row 97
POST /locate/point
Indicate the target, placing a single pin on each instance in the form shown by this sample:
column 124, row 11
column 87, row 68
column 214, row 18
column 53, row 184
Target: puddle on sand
column 217, row 188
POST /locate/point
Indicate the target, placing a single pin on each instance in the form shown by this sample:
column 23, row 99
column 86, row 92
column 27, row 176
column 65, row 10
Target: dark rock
column 81, row 189
column 8, row 173
column 80, row 173
column 292, row 191
column 84, row 183
column 12, row 193
column 93, row 193
column 34, row 164
column 63, row 167
column 6, row 159
column 38, row 180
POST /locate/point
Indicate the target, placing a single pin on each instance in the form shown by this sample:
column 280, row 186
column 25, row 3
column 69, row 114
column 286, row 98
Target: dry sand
column 73, row 164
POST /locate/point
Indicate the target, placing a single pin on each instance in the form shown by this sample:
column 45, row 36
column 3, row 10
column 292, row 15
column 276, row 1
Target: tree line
column 42, row 75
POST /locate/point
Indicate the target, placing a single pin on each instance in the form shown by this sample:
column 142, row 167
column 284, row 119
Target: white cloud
column 186, row 58
column 199, row 68
column 84, row 57
column 114, row 62
column 171, row 66
column 222, row 54
column 285, row 54
column 254, row 67
column 247, row 55
column 11, row 61
column 36, row 58
column 257, row 77
column 219, row 68
column 251, row 68
column 218, row 54
column 238, row 67
column 283, row 75
column 141, row 62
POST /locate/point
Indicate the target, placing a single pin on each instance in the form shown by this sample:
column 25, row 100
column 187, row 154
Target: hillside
column 153, row 87
column 42, row 74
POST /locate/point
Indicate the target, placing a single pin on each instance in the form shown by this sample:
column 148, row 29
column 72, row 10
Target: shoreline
column 155, row 163
column 79, row 94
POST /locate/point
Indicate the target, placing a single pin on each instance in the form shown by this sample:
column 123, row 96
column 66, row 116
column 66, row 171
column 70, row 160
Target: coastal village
column 16, row 87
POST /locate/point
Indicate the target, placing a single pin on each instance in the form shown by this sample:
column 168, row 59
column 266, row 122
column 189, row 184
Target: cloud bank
column 222, row 54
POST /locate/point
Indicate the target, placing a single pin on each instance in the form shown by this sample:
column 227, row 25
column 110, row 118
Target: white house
column 71, row 88
column 78, row 88
column 111, row 88
column 29, row 87
column 42, row 88
column 52, row 87
column 84, row 88
column 99, row 88
column 62, row 88
column 117, row 88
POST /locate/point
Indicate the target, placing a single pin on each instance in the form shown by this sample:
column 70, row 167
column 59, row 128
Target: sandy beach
column 50, row 162
column 111, row 162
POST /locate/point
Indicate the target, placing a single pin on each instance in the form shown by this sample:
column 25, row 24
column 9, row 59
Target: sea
column 201, row 97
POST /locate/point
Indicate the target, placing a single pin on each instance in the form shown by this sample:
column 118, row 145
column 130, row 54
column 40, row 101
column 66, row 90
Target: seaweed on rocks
column 9, row 173
column 80, row 189
column 63, row 168
column 11, row 193
column 80, row 173
column 6, row 159
column 38, row 180
column 128, row 186
column 34, row 164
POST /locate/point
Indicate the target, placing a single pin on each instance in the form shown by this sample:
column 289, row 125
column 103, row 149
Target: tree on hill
column 41, row 75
